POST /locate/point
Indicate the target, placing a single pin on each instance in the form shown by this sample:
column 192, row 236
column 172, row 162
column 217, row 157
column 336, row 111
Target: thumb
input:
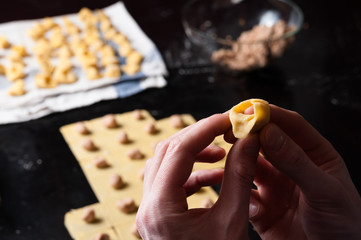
column 293, row 161
column 240, row 169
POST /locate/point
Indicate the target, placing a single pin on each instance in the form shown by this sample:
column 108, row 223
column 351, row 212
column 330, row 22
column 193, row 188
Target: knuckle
column 148, row 216
column 332, row 201
column 209, row 119
column 297, row 158
column 297, row 115
column 176, row 144
column 217, row 115
column 244, row 177
column 161, row 146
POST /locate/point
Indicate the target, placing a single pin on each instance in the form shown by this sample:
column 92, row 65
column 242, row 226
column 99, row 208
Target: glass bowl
column 242, row 35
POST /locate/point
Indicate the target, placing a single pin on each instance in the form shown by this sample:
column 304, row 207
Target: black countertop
column 319, row 77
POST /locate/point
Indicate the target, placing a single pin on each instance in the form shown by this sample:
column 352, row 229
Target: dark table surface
column 319, row 77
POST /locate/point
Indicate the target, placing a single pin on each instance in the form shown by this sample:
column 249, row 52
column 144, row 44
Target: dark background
column 319, row 77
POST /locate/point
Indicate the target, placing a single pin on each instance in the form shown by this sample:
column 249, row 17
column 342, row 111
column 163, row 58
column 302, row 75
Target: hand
column 163, row 212
column 304, row 190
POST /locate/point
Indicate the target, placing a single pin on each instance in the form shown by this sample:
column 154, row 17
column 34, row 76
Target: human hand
column 164, row 213
column 304, row 190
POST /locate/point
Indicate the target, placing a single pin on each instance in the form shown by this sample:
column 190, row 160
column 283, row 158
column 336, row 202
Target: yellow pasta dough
column 131, row 68
column 114, row 152
column 112, row 70
column 37, row 31
column 44, row 81
column 92, row 72
column 19, row 50
column 15, row 71
column 48, row 23
column 2, row 69
column 243, row 124
column 4, row 43
column 134, row 57
column 17, row 88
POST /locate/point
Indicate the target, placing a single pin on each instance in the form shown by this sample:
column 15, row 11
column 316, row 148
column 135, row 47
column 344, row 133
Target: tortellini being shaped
column 243, row 124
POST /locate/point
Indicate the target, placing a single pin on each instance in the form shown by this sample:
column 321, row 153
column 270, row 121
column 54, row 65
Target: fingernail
column 253, row 210
column 274, row 138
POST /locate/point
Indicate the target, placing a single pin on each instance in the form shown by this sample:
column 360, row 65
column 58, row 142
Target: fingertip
column 256, row 210
column 212, row 153
column 217, row 150
column 229, row 137
column 253, row 210
column 249, row 110
column 202, row 178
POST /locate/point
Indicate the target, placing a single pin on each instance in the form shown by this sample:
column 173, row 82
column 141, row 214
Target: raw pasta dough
column 243, row 124
column 112, row 221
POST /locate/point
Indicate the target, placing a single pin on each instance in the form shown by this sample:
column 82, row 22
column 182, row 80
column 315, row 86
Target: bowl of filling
column 242, row 35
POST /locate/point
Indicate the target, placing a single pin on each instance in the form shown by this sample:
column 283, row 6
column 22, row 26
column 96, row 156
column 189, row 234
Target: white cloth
column 40, row 102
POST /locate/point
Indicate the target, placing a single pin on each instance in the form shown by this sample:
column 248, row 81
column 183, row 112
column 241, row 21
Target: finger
column 202, row 178
column 146, row 176
column 152, row 166
column 211, row 154
column 229, row 137
column 265, row 173
column 179, row 159
column 290, row 159
column 256, row 208
column 239, row 173
column 273, row 189
column 160, row 150
column 249, row 110
column 269, row 178
column 303, row 134
column 268, row 181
